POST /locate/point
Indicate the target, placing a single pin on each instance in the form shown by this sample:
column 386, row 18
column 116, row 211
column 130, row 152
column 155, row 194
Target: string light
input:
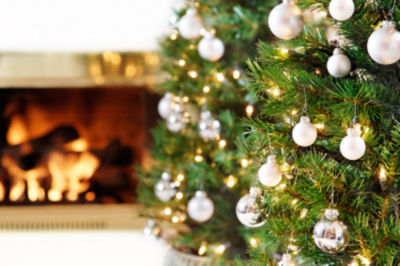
column 203, row 31
column 174, row 35
column 206, row 89
column 177, row 183
column 167, row 211
column 230, row 181
column 274, row 91
column 236, row 74
column 179, row 196
column 244, row 162
column 185, row 99
column 303, row 213
column 317, row 71
column 294, row 202
column 220, row 77
column 202, row 249
column 181, row 63
column 220, row 249
column 281, row 187
column 222, row 143
column 382, row 174
column 175, row 219
column 294, row 112
column 193, row 74
column 198, row 158
column 249, row 110
column 320, row 126
column 253, row 242
column 180, row 177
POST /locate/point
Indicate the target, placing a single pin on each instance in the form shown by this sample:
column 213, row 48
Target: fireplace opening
column 68, row 146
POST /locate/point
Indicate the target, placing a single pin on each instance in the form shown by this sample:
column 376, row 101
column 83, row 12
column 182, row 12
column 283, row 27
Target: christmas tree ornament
column 352, row 146
column 339, row 64
column 176, row 121
column 270, row 174
column 209, row 128
column 200, row 208
column 152, row 229
column 190, row 25
column 247, row 210
column 211, row 48
column 341, row 9
column 304, row 133
column 286, row 20
column 384, row 44
column 330, row 234
column 165, row 105
column 287, row 261
column 164, row 188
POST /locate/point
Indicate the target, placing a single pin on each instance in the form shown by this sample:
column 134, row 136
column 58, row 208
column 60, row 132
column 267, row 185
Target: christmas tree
column 325, row 144
column 197, row 175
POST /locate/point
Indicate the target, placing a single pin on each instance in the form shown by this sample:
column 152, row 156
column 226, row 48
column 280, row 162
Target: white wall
column 83, row 25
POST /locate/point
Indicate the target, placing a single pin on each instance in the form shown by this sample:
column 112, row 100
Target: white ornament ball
column 270, row 174
column 384, row 44
column 304, row 133
column 165, row 105
column 211, row 48
column 352, row 146
column 200, row 208
column 287, row 261
column 164, row 188
column 247, row 210
column 330, row 234
column 286, row 20
column 339, row 64
column 176, row 122
column 190, row 25
column 209, row 128
column 341, row 9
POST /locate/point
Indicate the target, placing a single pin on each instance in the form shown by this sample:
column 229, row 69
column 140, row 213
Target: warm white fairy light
column 222, row 143
column 198, row 158
column 202, row 249
column 244, row 162
column 179, row 196
column 180, row 177
column 182, row 63
column 249, row 110
column 177, row 183
column 193, row 74
column 294, row 202
column 274, row 91
column 220, row 249
column 294, row 112
column 174, row 35
column 206, row 89
column 253, row 242
column 236, row 74
column 230, row 181
column 167, row 211
column 382, row 174
column 303, row 213
column 175, row 219
column 357, row 127
column 320, row 126
column 220, row 77
column 281, row 187
column 203, row 31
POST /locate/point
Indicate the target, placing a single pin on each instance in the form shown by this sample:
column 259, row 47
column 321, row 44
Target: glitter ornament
column 352, row 146
column 190, row 25
column 247, row 210
column 384, row 44
column 330, row 234
column 211, row 48
column 286, row 20
column 164, row 188
column 270, row 174
column 341, row 9
column 304, row 133
column 209, row 128
column 200, row 208
column 338, row 64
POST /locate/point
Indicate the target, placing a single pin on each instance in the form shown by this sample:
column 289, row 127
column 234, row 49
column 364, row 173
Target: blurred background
column 77, row 102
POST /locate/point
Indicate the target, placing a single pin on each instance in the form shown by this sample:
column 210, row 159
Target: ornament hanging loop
column 305, row 110
column 332, row 196
column 389, row 16
column 271, row 150
column 354, row 119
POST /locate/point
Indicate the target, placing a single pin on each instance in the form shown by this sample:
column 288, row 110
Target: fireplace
column 69, row 146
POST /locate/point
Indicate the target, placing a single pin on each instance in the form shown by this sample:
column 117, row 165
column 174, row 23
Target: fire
column 17, row 132
column 79, row 145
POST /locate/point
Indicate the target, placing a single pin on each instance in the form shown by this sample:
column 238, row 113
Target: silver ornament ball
column 330, row 234
column 304, row 133
column 341, row 9
column 164, row 188
column 339, row 64
column 211, row 48
column 200, row 208
column 152, row 229
column 270, row 174
column 209, row 128
column 352, row 147
column 286, row 20
column 190, row 25
column 384, row 44
column 247, row 210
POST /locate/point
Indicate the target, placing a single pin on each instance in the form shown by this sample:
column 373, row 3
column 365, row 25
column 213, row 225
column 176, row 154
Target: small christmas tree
column 197, row 175
column 329, row 123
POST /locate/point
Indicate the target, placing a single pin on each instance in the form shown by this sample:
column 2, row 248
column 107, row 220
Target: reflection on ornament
column 164, row 188
column 270, row 174
column 384, row 44
column 152, row 229
column 287, row 261
column 211, row 48
column 341, row 9
column 286, row 20
column 330, row 234
column 247, row 210
column 209, row 128
column 304, row 133
column 200, row 208
column 339, row 64
column 190, row 24
column 352, row 146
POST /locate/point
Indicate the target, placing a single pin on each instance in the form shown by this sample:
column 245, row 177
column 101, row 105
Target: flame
column 2, row 191
column 79, row 145
column 69, row 171
column 17, row 132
